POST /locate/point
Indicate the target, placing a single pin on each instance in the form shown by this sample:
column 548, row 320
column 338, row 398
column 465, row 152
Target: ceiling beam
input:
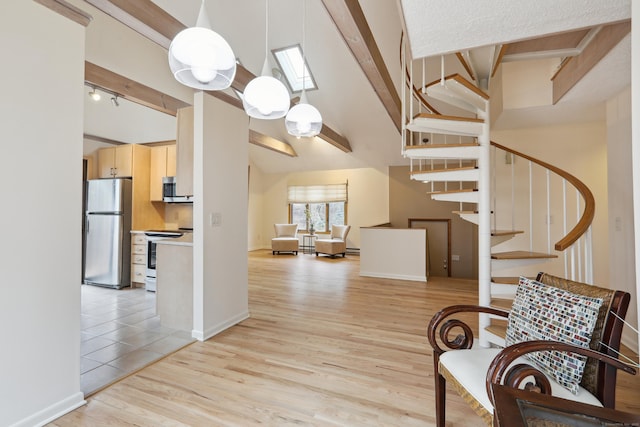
column 576, row 67
column 334, row 138
column 153, row 22
column 272, row 144
column 352, row 24
column 131, row 90
column 67, row 10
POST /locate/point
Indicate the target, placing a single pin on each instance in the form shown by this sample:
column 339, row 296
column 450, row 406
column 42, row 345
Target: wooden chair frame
column 441, row 326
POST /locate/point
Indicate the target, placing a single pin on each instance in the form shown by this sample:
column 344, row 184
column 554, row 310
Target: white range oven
column 152, row 237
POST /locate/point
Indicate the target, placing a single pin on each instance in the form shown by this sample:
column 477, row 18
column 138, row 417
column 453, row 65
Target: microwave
column 169, row 191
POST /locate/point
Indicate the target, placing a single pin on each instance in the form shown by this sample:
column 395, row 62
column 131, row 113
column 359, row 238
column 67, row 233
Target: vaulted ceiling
column 353, row 50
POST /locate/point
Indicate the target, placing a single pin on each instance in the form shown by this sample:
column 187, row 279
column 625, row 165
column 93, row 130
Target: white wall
column 221, row 261
column 368, row 202
column 581, row 150
column 635, row 141
column 257, row 226
column 41, row 109
column 621, row 228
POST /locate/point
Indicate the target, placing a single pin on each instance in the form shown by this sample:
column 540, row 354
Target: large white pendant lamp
column 200, row 58
column 303, row 119
column 266, row 97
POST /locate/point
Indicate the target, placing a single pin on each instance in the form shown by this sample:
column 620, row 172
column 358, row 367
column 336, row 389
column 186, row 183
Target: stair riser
column 503, row 264
column 471, row 197
column 450, row 176
column 457, row 96
column 453, row 152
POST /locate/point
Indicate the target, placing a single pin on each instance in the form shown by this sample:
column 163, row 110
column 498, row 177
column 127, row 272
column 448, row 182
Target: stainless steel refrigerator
column 107, row 233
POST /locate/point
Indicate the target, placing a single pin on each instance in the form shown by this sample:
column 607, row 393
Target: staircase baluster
column 442, row 70
column 548, row 221
column 578, row 241
column 589, row 257
column 513, row 191
column 564, row 222
column 493, row 188
column 530, row 206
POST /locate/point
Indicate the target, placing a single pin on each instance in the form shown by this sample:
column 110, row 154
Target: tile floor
column 120, row 334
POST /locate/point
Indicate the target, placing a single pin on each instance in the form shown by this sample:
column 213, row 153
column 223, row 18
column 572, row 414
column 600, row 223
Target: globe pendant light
column 200, row 58
column 266, row 97
column 303, row 119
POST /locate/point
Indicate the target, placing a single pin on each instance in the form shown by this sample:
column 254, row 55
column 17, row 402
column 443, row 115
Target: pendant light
column 266, row 97
column 200, row 58
column 303, row 119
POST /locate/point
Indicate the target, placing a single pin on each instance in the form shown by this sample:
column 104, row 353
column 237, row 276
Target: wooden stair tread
column 422, row 146
column 503, row 303
column 456, row 169
column 447, row 118
column 463, row 82
column 522, row 255
column 505, row 232
column 464, row 190
column 499, row 330
column 513, row 280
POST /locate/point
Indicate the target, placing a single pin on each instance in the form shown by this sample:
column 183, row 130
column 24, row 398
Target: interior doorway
column 439, row 244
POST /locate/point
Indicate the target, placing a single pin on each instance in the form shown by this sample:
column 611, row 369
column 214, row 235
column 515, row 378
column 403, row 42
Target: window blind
column 317, row 193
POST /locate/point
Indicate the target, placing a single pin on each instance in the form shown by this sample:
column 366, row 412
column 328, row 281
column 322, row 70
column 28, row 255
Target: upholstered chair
column 533, row 332
column 286, row 239
column 336, row 244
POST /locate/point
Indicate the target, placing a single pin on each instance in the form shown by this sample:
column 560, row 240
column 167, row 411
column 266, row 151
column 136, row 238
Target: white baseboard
column 393, row 276
column 216, row 329
column 53, row 412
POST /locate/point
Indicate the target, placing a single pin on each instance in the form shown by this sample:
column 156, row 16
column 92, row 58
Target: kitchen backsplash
column 178, row 215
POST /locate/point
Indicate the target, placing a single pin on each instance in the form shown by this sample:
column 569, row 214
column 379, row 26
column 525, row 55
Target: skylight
column 292, row 65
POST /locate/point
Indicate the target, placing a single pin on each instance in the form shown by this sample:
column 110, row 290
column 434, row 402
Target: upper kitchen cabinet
column 163, row 163
column 115, row 162
column 136, row 161
column 184, row 152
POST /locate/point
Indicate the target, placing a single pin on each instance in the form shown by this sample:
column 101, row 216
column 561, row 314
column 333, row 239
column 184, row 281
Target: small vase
column 312, row 230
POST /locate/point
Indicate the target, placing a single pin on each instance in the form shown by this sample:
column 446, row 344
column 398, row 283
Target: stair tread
column 513, row 280
column 503, row 303
column 434, row 146
column 505, row 232
column 463, row 190
column 457, row 91
column 463, row 82
column 456, row 169
column 521, row 255
column 498, row 330
column 446, row 125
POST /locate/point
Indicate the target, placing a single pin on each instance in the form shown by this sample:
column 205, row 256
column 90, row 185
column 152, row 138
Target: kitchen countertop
column 184, row 240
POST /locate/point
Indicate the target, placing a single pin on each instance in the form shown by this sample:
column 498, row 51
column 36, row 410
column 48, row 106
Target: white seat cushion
column 469, row 368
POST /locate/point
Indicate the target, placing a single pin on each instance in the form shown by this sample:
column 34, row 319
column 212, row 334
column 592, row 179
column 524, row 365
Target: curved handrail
column 589, row 201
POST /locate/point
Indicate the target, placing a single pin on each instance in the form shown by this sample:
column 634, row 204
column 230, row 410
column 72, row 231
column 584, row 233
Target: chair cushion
column 542, row 312
column 339, row 231
column 286, row 230
column 467, row 371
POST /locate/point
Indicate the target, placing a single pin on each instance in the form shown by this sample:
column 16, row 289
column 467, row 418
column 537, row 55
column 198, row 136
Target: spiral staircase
column 454, row 156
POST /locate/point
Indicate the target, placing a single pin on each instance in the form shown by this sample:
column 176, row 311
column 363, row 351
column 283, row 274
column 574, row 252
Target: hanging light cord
column 266, row 26
column 304, row 52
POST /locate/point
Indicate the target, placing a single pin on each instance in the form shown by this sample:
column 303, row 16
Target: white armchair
column 286, row 239
column 337, row 244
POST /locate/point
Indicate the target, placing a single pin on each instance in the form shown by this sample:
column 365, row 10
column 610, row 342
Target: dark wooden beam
column 576, row 67
column 131, row 90
column 153, row 22
column 352, row 24
column 334, row 138
column 67, row 10
column 272, row 144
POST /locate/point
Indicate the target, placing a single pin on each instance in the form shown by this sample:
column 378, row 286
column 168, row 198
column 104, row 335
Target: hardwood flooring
column 323, row 346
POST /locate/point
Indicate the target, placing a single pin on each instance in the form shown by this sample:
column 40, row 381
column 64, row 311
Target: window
column 294, row 67
column 320, row 205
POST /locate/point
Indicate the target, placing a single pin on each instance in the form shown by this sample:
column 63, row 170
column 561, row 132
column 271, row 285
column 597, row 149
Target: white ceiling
column 346, row 99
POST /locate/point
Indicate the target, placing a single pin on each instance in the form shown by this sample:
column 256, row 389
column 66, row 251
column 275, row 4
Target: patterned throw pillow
column 542, row 312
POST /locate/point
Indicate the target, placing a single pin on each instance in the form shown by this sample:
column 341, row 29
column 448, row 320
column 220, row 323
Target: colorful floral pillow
column 542, row 312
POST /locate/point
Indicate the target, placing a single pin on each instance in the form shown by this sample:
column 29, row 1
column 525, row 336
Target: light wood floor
column 323, row 346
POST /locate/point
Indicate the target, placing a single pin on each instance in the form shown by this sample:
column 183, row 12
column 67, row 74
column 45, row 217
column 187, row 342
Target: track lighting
column 94, row 95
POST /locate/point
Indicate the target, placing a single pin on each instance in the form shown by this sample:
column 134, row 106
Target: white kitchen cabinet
column 138, row 259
